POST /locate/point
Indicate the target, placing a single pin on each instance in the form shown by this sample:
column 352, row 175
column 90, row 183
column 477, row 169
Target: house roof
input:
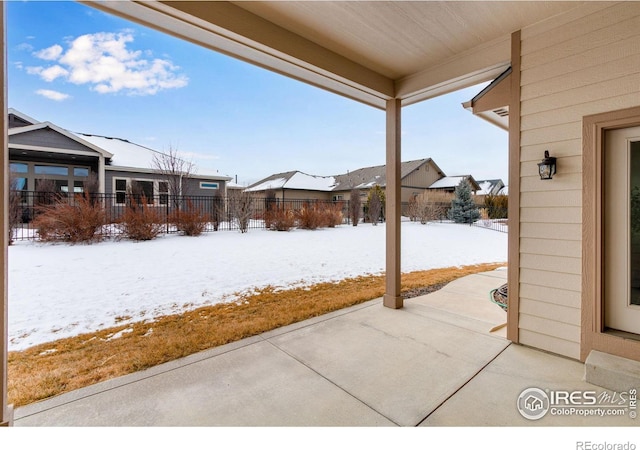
column 492, row 103
column 371, row 51
column 294, row 180
column 454, row 181
column 44, row 125
column 360, row 179
column 369, row 176
column 129, row 155
column 23, row 117
column 488, row 187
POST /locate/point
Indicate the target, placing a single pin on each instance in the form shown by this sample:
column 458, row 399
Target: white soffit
column 370, row 51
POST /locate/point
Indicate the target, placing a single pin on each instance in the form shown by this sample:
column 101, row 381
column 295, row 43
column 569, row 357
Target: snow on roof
column 490, row 187
column 273, row 183
column 129, row 154
column 447, row 182
column 294, row 180
column 310, row 182
column 125, row 153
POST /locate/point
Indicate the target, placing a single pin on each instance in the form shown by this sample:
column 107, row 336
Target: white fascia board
column 235, row 32
column 152, row 171
column 480, row 64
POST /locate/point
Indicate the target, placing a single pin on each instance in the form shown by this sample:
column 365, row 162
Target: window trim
column 592, row 334
column 204, row 183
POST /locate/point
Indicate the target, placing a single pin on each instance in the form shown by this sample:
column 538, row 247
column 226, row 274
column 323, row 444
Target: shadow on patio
column 426, row 364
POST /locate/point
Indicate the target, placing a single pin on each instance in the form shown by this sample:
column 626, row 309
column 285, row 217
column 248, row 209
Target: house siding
column 192, row 184
column 48, row 138
column 586, row 61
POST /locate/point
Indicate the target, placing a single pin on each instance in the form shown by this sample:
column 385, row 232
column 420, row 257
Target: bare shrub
column 355, row 206
column 412, row 209
column 14, row 210
column 175, row 170
column 427, row 208
column 309, row 217
column 281, row 219
column 270, row 207
column 70, row 221
column 191, row 221
column 91, row 184
column 242, row 209
column 45, row 193
column 217, row 210
column 332, row 214
column 140, row 221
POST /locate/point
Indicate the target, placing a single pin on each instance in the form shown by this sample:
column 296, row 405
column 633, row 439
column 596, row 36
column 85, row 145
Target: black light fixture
column 547, row 167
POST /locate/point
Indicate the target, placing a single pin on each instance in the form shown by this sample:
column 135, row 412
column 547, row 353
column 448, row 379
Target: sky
column 91, row 72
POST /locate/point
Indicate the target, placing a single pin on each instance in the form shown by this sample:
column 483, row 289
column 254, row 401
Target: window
column 208, row 185
column 80, row 172
column 337, row 198
column 144, row 188
column 121, row 190
column 19, row 167
column 163, row 190
column 52, row 170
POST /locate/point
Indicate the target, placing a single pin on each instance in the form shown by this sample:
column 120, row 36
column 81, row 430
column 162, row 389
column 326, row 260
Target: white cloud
column 53, row 72
column 49, row 54
column 25, row 46
column 52, row 95
column 103, row 61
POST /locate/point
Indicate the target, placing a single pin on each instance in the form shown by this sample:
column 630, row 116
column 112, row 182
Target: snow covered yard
column 58, row 291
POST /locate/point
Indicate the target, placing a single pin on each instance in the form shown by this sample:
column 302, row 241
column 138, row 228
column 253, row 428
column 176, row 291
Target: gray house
column 43, row 151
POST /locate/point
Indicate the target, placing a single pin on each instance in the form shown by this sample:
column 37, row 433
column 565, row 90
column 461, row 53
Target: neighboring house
column 490, row 187
column 42, row 150
column 416, row 176
column 449, row 184
column 294, row 185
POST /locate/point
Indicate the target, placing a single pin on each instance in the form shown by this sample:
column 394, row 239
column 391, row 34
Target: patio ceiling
column 370, row 51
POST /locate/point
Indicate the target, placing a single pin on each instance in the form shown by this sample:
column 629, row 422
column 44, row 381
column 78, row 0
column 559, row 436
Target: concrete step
column 612, row 372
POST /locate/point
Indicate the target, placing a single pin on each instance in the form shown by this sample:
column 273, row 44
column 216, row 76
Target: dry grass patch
column 50, row 369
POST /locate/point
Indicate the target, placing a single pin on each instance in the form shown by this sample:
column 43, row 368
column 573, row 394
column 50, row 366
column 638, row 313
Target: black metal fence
column 220, row 213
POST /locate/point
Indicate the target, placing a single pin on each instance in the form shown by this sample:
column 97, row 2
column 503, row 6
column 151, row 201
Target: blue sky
column 91, row 72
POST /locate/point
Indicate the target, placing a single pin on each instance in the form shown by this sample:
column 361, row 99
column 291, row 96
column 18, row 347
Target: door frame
column 592, row 336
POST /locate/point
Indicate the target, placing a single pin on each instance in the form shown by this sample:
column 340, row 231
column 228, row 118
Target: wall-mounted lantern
column 547, row 167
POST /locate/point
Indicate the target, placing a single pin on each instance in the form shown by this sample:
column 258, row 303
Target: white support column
column 392, row 297
column 101, row 175
column 6, row 414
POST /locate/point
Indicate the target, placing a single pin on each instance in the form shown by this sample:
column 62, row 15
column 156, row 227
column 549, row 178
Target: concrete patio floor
column 432, row 363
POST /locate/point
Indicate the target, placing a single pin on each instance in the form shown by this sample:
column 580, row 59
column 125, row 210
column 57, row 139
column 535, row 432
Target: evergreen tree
column 463, row 208
column 375, row 204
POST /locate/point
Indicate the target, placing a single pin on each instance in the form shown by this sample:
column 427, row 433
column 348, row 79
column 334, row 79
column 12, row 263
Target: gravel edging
column 417, row 292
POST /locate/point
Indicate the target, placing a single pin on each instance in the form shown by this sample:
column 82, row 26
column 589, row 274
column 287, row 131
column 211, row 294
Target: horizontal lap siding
column 584, row 62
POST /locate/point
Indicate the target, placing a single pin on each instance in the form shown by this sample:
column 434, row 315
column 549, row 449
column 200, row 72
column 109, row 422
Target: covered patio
column 389, row 55
column 362, row 366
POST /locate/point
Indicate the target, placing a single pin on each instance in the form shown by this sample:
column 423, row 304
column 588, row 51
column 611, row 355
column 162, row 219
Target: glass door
column 621, row 211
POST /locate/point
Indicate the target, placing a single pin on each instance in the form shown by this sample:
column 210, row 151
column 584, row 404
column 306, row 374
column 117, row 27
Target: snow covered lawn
column 58, row 291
